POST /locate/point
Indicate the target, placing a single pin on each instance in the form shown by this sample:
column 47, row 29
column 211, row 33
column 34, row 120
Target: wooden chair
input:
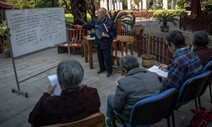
column 74, row 39
column 95, row 120
column 121, row 46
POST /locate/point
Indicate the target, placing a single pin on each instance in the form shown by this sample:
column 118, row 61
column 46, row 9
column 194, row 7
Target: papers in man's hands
column 160, row 72
column 90, row 38
column 101, row 29
column 53, row 81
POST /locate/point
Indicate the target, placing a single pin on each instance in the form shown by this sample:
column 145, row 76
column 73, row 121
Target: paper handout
column 54, row 81
column 160, row 72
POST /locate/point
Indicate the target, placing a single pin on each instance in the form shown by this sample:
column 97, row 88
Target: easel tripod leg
column 20, row 92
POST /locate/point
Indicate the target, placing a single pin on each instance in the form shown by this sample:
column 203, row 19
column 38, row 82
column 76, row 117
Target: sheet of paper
column 160, row 72
column 53, row 81
column 90, row 38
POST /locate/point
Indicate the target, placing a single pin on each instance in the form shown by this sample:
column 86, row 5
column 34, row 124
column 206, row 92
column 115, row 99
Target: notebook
column 100, row 29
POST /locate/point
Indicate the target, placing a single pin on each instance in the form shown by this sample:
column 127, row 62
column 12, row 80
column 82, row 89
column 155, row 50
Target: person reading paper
column 185, row 63
column 75, row 102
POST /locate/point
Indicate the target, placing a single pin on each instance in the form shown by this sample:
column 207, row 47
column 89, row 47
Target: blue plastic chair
column 192, row 88
column 207, row 67
column 153, row 109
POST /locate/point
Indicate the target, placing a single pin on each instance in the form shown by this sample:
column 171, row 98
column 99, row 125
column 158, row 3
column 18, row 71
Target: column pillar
column 140, row 5
column 129, row 4
column 118, row 4
column 173, row 4
column 101, row 3
column 105, row 6
column 165, row 4
column 144, row 4
column 121, row 4
column 153, row 4
column 110, row 5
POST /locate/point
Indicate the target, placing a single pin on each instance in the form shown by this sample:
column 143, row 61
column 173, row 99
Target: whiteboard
column 35, row 29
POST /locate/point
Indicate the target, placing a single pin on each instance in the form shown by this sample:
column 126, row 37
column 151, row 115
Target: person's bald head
column 102, row 13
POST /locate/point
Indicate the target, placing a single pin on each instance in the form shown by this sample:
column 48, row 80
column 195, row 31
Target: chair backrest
column 207, row 67
column 123, row 45
column 123, row 38
column 75, row 35
column 95, row 120
column 153, row 109
column 192, row 87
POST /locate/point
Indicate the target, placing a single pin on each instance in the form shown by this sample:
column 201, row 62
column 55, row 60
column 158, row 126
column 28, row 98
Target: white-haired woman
column 76, row 101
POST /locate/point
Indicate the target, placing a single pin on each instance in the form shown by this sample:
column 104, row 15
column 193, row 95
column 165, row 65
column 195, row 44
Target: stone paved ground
column 14, row 108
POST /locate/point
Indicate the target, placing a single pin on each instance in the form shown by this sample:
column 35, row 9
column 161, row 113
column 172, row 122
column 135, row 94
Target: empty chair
column 121, row 46
column 95, row 120
column 192, row 88
column 153, row 109
column 74, row 40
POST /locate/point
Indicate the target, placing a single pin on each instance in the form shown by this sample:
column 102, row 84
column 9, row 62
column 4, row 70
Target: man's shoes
column 100, row 71
column 109, row 74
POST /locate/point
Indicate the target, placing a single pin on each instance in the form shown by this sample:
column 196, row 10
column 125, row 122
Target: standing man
column 103, row 43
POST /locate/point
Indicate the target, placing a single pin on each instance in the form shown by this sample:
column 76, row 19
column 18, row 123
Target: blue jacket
column 103, row 42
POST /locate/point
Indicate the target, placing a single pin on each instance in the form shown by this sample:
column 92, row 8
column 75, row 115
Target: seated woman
column 199, row 42
column 76, row 101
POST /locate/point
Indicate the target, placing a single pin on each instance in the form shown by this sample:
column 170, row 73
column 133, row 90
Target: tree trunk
column 78, row 8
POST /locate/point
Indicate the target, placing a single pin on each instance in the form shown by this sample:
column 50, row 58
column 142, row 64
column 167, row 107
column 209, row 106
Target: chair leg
column 173, row 120
column 82, row 51
column 210, row 91
column 73, row 49
column 118, row 63
column 168, row 121
column 199, row 101
column 196, row 103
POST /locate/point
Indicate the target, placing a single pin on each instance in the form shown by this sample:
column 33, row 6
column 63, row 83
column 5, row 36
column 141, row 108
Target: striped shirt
column 185, row 64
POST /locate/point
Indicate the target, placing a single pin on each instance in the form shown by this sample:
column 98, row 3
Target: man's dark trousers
column 105, row 60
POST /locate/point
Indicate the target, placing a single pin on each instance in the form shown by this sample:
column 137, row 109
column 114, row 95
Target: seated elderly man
column 199, row 42
column 137, row 84
column 76, row 101
column 185, row 63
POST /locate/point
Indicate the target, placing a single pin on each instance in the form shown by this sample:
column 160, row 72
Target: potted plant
column 165, row 16
column 126, row 18
column 148, row 60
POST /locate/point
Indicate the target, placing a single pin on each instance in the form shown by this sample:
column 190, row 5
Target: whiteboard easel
column 32, row 30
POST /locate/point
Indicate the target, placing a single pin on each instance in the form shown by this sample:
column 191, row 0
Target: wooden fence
column 201, row 22
column 156, row 46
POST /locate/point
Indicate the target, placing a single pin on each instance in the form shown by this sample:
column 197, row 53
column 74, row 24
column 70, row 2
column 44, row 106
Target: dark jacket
column 103, row 42
column 69, row 106
column 137, row 84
